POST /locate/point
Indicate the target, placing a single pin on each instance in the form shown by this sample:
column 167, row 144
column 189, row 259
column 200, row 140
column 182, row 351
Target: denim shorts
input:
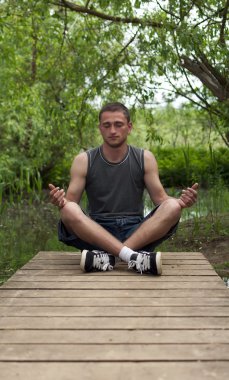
column 121, row 227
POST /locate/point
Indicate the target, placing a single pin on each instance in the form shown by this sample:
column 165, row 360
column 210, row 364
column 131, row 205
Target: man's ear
column 130, row 126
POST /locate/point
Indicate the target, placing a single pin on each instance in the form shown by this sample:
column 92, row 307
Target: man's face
column 114, row 128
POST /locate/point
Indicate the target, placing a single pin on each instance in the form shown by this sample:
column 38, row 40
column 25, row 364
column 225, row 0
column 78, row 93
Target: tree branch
column 168, row 12
column 222, row 80
column 206, row 76
column 208, row 17
column 186, row 75
column 224, row 20
column 104, row 16
column 87, row 3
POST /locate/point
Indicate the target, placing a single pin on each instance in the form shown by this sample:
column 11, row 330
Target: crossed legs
column 166, row 216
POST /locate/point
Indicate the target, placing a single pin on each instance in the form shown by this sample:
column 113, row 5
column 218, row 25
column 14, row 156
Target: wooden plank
column 59, row 254
column 109, row 293
column 143, row 301
column 110, row 311
column 116, row 370
column 114, row 323
column 76, row 261
column 121, row 272
column 111, row 352
column 114, row 337
column 116, row 278
column 175, row 265
column 134, row 285
column 73, row 253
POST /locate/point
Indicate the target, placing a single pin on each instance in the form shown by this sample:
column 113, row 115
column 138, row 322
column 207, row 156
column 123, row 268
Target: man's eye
column 118, row 125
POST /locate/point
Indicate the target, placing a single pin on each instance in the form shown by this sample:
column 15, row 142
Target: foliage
column 173, row 127
column 24, row 230
column 182, row 167
column 171, row 44
column 60, row 61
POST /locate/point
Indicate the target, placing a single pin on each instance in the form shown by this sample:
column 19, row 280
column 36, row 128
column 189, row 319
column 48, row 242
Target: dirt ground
column 217, row 252
column 212, row 240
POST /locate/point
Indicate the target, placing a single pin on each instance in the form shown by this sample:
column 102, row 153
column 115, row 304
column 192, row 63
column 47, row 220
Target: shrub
column 183, row 166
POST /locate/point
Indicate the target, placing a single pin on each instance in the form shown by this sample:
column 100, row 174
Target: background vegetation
column 61, row 60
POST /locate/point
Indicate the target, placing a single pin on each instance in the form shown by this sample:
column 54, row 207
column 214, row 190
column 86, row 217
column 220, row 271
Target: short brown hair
column 114, row 107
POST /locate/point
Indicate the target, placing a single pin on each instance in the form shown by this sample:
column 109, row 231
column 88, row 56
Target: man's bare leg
column 166, row 216
column 88, row 230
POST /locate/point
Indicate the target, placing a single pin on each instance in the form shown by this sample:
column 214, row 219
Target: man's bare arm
column 76, row 185
column 155, row 188
column 152, row 181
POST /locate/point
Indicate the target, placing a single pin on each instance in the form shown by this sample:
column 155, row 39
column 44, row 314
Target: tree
column 172, row 43
column 60, row 60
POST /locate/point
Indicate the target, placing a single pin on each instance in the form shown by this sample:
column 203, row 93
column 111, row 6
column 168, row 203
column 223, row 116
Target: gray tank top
column 115, row 189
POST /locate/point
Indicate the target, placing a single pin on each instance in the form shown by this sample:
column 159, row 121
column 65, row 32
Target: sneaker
column 96, row 260
column 146, row 262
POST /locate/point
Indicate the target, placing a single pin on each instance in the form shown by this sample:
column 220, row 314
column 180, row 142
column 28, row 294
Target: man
column 114, row 177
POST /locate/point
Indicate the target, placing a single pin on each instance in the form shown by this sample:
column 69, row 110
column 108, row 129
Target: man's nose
column 113, row 129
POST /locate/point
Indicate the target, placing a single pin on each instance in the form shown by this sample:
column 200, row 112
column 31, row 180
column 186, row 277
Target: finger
column 54, row 191
column 62, row 203
column 190, row 192
column 195, row 186
column 54, row 195
column 58, row 194
column 182, row 204
column 188, row 201
column 61, row 197
column 185, row 199
column 51, row 186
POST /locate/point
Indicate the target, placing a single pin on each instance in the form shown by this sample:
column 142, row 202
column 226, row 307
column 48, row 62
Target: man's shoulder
column 89, row 150
column 136, row 148
column 80, row 161
column 137, row 154
column 91, row 154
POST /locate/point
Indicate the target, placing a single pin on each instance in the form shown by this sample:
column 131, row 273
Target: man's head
column 114, row 124
column 115, row 107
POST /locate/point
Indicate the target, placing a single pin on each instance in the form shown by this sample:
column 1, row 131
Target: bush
column 183, row 166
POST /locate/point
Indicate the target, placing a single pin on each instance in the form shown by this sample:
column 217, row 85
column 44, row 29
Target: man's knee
column 71, row 213
column 172, row 208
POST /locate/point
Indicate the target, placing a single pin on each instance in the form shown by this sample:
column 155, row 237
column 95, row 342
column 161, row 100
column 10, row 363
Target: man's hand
column 57, row 196
column 188, row 196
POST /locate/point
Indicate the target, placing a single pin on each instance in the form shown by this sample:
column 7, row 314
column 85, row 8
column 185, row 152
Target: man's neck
column 114, row 154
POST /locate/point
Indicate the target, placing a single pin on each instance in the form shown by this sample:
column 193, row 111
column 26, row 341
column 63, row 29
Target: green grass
column 25, row 229
column 225, row 265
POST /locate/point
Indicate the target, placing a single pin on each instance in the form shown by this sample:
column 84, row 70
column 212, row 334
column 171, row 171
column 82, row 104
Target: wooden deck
column 59, row 323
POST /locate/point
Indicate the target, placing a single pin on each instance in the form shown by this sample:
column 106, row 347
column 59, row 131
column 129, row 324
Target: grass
column 26, row 229
column 222, row 266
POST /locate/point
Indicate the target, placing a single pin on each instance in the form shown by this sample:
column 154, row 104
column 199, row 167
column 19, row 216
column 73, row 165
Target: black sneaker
column 96, row 260
column 146, row 262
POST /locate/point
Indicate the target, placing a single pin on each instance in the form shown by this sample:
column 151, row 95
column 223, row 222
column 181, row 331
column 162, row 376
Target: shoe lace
column 101, row 262
column 142, row 263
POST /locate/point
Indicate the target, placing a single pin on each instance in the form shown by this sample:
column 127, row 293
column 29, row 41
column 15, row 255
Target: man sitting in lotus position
column 114, row 176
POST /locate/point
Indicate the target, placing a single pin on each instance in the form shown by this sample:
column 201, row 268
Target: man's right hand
column 57, row 196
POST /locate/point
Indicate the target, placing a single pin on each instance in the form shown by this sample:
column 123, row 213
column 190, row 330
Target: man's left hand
column 188, row 196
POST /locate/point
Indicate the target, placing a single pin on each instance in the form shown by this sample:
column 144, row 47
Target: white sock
column 125, row 254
